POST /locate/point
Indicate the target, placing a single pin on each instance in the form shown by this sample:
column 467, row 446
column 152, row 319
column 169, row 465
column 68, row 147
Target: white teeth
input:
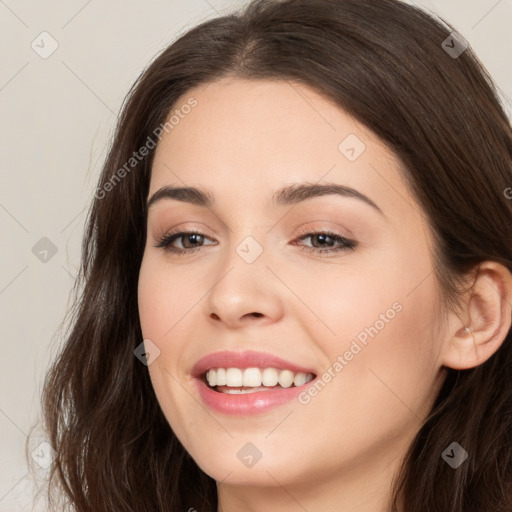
column 299, row 379
column 211, row 377
column 257, row 378
column 234, row 377
column 286, row 378
column 239, row 391
column 269, row 377
column 221, row 377
column 252, row 377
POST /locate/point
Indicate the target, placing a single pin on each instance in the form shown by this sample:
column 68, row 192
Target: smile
column 251, row 380
column 247, row 383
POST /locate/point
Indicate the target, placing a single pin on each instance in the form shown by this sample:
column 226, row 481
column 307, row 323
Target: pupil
column 322, row 238
column 192, row 237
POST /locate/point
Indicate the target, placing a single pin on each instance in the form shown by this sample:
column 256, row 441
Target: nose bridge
column 251, row 235
column 253, row 245
column 244, row 264
column 250, row 249
column 245, row 286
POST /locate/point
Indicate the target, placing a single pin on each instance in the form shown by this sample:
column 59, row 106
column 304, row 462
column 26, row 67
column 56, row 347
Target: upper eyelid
column 323, row 223
column 205, row 232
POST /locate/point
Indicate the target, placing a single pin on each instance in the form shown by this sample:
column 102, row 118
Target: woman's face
column 256, row 290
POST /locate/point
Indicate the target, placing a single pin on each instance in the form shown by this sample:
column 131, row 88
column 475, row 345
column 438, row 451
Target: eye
column 189, row 239
column 324, row 242
column 327, row 241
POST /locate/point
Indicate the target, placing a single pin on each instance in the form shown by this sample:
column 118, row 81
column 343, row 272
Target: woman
column 296, row 276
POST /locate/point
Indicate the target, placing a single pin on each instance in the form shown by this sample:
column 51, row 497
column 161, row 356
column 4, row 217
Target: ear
column 487, row 314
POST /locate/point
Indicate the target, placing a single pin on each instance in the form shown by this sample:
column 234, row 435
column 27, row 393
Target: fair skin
column 339, row 452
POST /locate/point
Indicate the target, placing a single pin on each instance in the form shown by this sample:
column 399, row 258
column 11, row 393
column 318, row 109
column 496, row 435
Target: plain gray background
column 57, row 115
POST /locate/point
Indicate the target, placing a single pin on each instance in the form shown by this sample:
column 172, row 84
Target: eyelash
column 166, row 241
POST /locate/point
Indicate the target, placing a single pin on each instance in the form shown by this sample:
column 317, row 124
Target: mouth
column 250, row 382
column 237, row 381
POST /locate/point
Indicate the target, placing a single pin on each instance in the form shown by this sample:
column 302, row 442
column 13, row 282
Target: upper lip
column 246, row 359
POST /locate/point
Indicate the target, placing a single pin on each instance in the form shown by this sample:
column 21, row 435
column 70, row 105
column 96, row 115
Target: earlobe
column 487, row 320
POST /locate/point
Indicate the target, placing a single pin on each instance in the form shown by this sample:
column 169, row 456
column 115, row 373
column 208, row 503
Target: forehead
column 247, row 138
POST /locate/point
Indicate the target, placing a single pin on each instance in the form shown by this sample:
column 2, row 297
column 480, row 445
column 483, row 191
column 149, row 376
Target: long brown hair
column 384, row 63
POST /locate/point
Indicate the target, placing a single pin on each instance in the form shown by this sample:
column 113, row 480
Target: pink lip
column 250, row 403
column 247, row 359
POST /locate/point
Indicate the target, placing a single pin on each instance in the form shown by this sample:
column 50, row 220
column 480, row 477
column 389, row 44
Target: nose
column 245, row 294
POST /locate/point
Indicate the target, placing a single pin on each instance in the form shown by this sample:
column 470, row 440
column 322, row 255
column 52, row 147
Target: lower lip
column 247, row 403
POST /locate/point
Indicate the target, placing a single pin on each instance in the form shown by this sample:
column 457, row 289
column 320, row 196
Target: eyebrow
column 289, row 195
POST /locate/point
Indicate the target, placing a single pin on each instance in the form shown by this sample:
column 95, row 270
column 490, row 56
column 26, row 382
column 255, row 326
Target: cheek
column 380, row 381
column 388, row 356
column 379, row 318
column 160, row 311
column 153, row 302
column 164, row 296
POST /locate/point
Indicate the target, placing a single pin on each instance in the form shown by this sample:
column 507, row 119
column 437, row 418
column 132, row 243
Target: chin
column 260, row 474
